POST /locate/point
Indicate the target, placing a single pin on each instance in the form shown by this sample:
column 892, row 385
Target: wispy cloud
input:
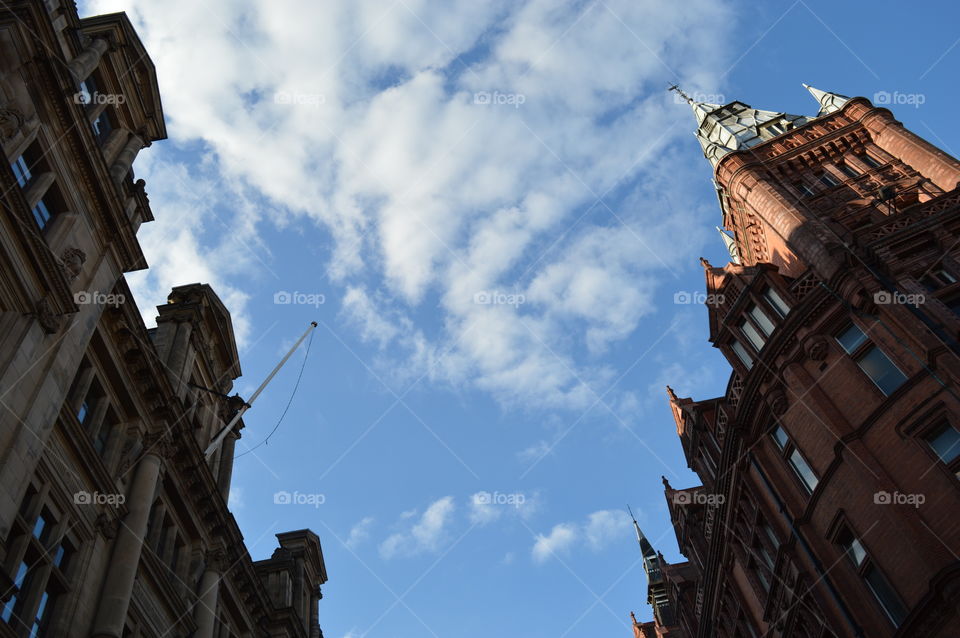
column 600, row 529
column 426, row 535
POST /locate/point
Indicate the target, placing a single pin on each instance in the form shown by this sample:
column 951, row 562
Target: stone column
column 115, row 142
column 118, row 583
column 205, row 613
column 87, row 60
column 124, row 161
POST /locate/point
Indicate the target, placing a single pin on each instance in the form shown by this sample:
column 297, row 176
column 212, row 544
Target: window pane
column 855, row 551
column 775, row 300
column 83, row 411
column 21, row 171
column 803, row 470
column 885, row 594
column 869, row 161
column 742, row 353
column 851, row 339
column 752, row 334
column 41, row 214
column 879, row 368
column 780, row 437
column 761, row 319
column 946, row 443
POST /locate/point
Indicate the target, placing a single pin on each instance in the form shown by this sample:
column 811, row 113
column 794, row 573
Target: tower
column 830, row 465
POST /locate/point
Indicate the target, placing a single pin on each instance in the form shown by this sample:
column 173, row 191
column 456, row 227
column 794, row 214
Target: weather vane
column 681, row 93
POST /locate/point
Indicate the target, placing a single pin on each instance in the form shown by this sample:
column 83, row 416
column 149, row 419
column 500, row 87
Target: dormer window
column 773, row 129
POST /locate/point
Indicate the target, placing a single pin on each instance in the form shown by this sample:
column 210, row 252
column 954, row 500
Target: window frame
column 864, row 348
column 786, row 450
column 866, row 568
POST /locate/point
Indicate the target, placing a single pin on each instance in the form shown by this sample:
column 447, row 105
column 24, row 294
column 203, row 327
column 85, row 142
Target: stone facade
column 829, row 468
column 113, row 524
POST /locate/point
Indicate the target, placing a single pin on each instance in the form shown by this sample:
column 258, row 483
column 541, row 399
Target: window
column 43, row 196
column 848, row 170
column 945, row 443
column 102, row 126
column 828, row 180
column 761, row 320
column 803, row 189
column 868, row 160
column 885, row 594
column 742, row 353
column 795, row 458
column 41, row 550
column 776, row 302
column 752, row 335
column 772, row 129
column 876, row 582
column 874, row 363
column 88, row 89
column 803, row 470
column 937, row 278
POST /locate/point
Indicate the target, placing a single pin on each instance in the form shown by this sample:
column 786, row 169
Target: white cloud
column 359, row 532
column 559, row 541
column 488, row 507
column 600, row 529
column 424, row 536
column 235, row 498
column 429, row 197
column 606, row 526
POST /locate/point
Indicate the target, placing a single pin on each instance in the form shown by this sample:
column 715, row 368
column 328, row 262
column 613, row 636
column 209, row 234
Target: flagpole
column 218, row 439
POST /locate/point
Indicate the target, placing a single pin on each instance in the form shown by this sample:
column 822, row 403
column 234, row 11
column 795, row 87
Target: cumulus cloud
column 426, row 535
column 359, row 532
column 560, row 539
column 600, row 529
column 442, row 150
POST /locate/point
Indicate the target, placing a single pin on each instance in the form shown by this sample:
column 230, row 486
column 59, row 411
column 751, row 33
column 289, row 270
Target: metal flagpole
column 218, row 439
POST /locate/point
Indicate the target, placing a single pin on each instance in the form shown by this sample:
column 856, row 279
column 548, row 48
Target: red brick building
column 830, row 501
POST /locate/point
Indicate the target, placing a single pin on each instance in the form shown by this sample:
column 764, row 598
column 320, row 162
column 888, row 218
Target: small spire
column 706, row 264
column 666, row 483
column 730, row 244
column 672, row 394
column 829, row 102
column 633, row 618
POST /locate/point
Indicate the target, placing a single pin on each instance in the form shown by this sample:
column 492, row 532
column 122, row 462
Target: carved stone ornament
column 49, row 321
column 817, row 349
column 777, row 400
column 72, row 261
column 107, row 526
column 11, row 121
column 159, row 444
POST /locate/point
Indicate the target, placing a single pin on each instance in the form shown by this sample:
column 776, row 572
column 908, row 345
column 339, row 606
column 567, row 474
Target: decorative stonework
column 817, row 348
column 72, row 260
column 11, row 122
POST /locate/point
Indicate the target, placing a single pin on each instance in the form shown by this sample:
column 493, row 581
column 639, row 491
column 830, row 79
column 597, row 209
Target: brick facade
column 830, row 496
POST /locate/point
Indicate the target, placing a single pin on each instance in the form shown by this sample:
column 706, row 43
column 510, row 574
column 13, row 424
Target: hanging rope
column 289, row 403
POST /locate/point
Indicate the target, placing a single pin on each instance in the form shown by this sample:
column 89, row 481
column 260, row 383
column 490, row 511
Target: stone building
column 112, row 521
column 829, row 500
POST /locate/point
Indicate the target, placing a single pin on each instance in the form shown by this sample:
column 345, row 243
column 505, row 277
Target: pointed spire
column 731, row 245
column 722, row 129
column 646, row 549
column 672, row 395
column 829, row 102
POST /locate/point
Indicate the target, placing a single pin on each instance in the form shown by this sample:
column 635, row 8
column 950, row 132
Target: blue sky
column 497, row 204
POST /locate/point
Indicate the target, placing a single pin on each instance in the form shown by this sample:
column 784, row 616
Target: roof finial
column 681, row 93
